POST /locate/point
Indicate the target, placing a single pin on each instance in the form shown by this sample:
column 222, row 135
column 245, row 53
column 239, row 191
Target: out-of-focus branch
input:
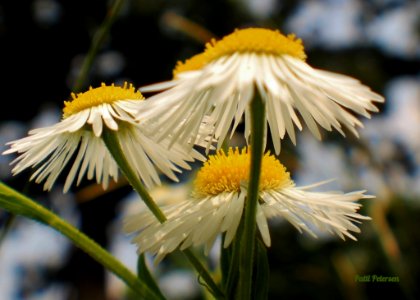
column 97, row 42
column 187, row 27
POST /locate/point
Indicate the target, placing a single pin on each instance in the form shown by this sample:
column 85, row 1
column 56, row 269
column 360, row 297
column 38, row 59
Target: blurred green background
column 43, row 46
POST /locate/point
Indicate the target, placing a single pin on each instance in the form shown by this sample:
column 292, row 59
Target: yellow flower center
column 96, row 96
column 224, row 173
column 256, row 40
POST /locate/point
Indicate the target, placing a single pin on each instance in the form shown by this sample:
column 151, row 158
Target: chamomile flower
column 221, row 81
column 78, row 136
column 217, row 204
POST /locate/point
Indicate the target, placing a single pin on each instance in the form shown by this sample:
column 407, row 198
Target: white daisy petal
column 330, row 211
column 75, row 122
column 263, row 226
column 236, row 214
column 95, row 121
column 157, row 87
column 108, row 119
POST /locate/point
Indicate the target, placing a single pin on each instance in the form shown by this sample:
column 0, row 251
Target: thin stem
column 111, row 141
column 204, row 274
column 97, row 42
column 17, row 203
column 246, row 255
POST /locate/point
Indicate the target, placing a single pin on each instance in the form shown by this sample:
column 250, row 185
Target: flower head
column 221, row 81
column 255, row 40
column 217, row 203
column 50, row 149
column 225, row 173
column 98, row 96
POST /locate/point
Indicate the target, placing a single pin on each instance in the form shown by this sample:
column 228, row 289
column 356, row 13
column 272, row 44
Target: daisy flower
column 221, row 82
column 78, row 136
column 217, row 204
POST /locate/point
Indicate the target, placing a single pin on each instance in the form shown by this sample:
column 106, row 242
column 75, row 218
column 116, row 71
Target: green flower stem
column 110, row 138
column 204, row 274
column 246, row 255
column 17, row 203
column 111, row 141
column 97, row 42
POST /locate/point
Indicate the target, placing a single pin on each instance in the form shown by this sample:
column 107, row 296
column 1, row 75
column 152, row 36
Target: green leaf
column 144, row 274
column 261, row 272
column 225, row 261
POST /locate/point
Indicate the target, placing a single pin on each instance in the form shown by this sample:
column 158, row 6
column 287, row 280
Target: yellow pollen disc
column 256, row 40
column 96, row 96
column 224, row 173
